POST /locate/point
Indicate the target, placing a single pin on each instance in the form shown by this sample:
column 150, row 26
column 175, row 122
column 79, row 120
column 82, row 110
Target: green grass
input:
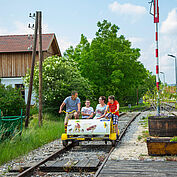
column 145, row 133
column 134, row 108
column 32, row 138
column 144, row 122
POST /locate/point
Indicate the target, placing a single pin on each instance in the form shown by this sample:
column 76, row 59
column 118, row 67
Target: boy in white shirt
column 87, row 111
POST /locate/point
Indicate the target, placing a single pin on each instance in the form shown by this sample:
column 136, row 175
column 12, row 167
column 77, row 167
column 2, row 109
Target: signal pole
column 156, row 21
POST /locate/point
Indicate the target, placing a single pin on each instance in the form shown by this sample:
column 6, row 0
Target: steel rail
column 120, row 137
column 166, row 109
column 30, row 170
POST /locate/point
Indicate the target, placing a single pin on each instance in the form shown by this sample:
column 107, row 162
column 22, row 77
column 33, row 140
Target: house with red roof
column 16, row 57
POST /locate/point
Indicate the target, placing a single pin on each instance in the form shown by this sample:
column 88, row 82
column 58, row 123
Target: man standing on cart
column 73, row 106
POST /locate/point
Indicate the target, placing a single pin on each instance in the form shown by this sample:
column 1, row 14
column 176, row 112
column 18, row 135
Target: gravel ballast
column 132, row 147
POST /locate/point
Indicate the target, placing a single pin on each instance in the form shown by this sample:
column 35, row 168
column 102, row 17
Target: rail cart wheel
column 106, row 142
column 65, row 143
column 113, row 143
column 77, row 143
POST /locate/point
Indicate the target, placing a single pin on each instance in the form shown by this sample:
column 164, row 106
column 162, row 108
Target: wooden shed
column 16, row 53
column 16, row 57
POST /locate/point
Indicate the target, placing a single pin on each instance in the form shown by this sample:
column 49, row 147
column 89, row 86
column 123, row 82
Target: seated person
column 100, row 108
column 113, row 107
column 87, row 111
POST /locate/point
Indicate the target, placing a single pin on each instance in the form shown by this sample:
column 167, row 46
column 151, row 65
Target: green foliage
column 138, row 107
column 165, row 96
column 60, row 77
column 174, row 139
column 11, row 101
column 32, row 138
column 110, row 64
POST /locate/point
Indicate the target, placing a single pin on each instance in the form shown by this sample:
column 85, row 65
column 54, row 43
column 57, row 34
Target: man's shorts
column 114, row 118
column 69, row 116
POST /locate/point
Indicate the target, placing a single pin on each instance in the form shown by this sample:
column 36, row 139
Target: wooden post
column 32, row 72
column 40, row 68
column 137, row 97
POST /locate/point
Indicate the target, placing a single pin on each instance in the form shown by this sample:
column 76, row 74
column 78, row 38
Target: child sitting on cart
column 87, row 111
column 113, row 113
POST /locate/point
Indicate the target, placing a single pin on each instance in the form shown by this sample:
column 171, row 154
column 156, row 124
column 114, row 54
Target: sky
column 68, row 19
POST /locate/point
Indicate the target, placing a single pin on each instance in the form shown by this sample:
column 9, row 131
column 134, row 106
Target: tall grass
column 134, row 108
column 32, row 138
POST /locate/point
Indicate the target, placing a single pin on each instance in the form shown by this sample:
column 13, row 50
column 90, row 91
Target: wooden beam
column 32, row 72
column 40, row 67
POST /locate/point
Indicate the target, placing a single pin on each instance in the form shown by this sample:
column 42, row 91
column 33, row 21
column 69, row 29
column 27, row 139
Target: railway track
column 87, row 159
column 169, row 107
column 137, row 162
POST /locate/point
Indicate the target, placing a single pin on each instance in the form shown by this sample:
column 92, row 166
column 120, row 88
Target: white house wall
column 18, row 80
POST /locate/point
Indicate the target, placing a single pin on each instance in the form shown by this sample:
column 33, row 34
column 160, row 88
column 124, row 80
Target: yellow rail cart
column 89, row 130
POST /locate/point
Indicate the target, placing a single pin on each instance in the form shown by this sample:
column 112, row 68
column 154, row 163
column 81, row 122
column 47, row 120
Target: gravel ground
column 130, row 148
column 32, row 158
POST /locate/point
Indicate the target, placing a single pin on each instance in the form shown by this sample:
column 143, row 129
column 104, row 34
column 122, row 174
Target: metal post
column 157, row 72
column 175, row 68
column 32, row 72
column 176, row 73
column 40, row 68
column 163, row 77
column 156, row 21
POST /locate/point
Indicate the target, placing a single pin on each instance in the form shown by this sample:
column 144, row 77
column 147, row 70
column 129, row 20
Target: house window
column 22, row 89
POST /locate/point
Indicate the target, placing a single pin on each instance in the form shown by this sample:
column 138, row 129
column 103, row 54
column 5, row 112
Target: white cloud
column 135, row 41
column 166, row 64
column 167, row 45
column 169, row 26
column 64, row 43
column 89, row 40
column 3, row 31
column 22, row 28
column 148, row 58
column 128, row 8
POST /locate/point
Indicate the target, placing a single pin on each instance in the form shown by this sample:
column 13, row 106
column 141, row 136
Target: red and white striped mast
column 156, row 21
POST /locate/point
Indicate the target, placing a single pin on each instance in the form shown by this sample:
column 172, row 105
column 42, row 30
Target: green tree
column 60, row 77
column 11, row 101
column 148, row 85
column 109, row 63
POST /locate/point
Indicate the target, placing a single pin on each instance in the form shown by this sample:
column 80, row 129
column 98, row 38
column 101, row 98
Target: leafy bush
column 60, row 77
column 174, row 139
column 11, row 100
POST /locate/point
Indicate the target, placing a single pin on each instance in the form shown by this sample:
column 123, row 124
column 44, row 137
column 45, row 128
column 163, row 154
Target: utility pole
column 32, row 72
column 40, row 67
column 156, row 21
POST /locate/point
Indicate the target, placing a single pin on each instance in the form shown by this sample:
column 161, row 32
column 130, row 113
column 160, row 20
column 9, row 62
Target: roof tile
column 22, row 43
